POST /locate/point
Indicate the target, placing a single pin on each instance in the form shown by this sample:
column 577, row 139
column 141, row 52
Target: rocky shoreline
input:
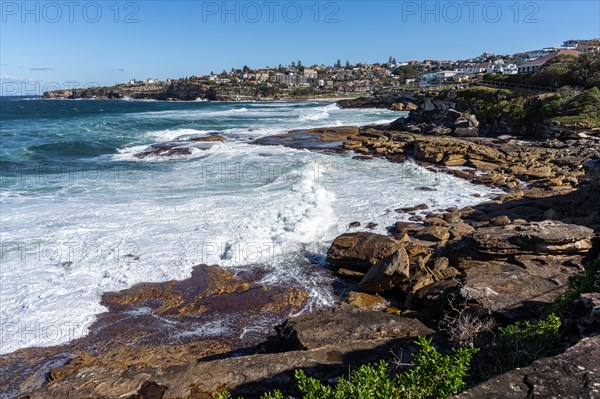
column 507, row 259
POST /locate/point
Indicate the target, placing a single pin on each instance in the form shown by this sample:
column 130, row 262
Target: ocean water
column 81, row 215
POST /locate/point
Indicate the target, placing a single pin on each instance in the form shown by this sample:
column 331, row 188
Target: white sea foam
column 174, row 134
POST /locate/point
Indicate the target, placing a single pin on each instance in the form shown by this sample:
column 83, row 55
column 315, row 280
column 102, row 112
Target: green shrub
column 588, row 281
column 223, row 395
column 519, row 344
column 432, row 375
column 583, row 109
column 366, row 382
column 495, row 104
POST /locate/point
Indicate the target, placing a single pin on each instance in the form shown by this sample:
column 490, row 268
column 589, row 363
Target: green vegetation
column 582, row 109
column 406, row 72
column 432, row 375
column 303, row 92
column 519, row 344
column 495, row 104
column 587, row 281
column 568, row 106
column 555, row 73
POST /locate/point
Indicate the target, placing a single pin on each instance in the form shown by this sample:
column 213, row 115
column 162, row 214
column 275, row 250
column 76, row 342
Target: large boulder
column 361, row 251
column 345, row 324
column 510, row 292
column 506, row 291
column 387, row 273
column 434, row 233
column 546, row 237
column 572, row 374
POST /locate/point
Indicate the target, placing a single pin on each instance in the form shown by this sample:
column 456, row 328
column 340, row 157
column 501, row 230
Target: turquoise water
column 82, row 215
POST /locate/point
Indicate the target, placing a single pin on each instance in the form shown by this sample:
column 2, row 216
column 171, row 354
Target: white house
column 310, row 73
column 500, row 67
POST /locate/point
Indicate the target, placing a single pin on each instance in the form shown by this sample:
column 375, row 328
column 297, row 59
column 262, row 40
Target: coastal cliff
column 178, row 91
column 187, row 90
column 567, row 113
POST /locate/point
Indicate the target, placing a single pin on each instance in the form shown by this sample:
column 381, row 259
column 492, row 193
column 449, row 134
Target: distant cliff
column 190, row 90
column 177, row 91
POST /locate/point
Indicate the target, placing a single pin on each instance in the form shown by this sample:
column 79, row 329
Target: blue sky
column 113, row 41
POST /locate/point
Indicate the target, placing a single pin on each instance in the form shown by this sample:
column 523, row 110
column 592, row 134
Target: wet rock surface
column 179, row 147
column 318, row 139
column 213, row 313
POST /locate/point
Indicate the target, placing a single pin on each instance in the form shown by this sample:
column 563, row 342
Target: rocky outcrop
column 387, row 273
column 510, row 292
column 245, row 375
column 179, row 147
column 324, row 344
column 361, row 251
column 405, row 100
column 345, row 324
column 572, row 374
column 318, row 139
column 170, row 324
column 546, row 237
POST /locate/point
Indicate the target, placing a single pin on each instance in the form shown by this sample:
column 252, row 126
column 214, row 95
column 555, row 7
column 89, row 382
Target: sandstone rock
column 345, row 324
column 360, row 251
column 572, row 374
column 352, row 145
column 214, row 137
column 441, row 264
column 148, row 324
column 387, row 273
column 549, row 237
column 433, row 233
column 436, row 222
column 440, row 130
column 419, row 207
column 510, row 292
column 452, row 217
column 243, row 375
column 453, row 160
column 500, row 220
column 366, row 301
column 459, row 230
column 466, row 131
column 351, row 274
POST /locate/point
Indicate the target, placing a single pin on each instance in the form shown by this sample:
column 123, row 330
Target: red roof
column 546, row 58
